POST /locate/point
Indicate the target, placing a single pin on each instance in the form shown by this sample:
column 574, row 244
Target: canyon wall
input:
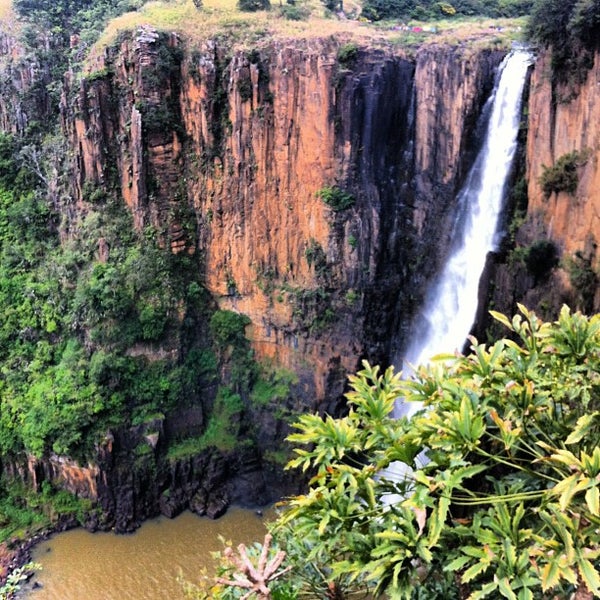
column 311, row 181
column 227, row 153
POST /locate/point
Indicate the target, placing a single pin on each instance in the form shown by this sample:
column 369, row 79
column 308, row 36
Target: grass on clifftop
column 222, row 19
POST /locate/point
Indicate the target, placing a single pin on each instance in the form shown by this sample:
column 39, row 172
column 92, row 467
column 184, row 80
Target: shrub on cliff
column 583, row 279
column 540, row 258
column 491, row 490
column 336, row 198
column 562, row 175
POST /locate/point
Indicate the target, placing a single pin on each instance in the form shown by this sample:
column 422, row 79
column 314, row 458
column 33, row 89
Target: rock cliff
column 228, row 152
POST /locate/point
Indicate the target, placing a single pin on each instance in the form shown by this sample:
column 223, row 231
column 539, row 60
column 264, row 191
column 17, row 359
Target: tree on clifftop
column 572, row 29
column 507, row 504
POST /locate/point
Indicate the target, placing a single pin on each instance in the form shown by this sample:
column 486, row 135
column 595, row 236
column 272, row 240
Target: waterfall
column 451, row 304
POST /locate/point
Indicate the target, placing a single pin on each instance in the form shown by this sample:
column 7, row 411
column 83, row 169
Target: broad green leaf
column 510, row 553
column 592, row 499
column 583, row 427
column 437, row 520
column 486, row 590
column 550, row 575
column 474, row 571
column 324, row 523
column 505, row 589
column 458, row 563
column 589, row 575
column 525, row 594
column 502, row 319
column 566, row 489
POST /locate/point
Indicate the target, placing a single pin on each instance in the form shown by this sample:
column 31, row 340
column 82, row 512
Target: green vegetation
column 336, row 198
column 294, row 11
column 490, row 490
column 70, row 318
column 14, row 580
column 352, row 297
column 562, row 176
column 273, row 386
column 583, row 279
column 316, row 257
column 24, row 512
column 572, row 28
column 347, row 55
column 233, row 348
column 57, row 35
column 540, row 258
column 221, row 432
column 376, row 10
column 228, row 328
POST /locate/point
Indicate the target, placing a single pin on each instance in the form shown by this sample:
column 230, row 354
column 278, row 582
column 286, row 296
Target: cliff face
column 563, row 127
column 564, row 118
column 226, row 152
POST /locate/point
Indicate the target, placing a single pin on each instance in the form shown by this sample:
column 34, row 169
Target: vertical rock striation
column 225, row 152
column 312, row 180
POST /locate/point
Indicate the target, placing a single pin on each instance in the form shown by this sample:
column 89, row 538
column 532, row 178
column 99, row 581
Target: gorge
column 239, row 223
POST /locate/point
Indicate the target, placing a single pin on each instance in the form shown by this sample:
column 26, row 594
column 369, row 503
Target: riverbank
column 17, row 552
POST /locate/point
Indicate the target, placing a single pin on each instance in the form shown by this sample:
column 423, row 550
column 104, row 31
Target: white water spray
column 451, row 305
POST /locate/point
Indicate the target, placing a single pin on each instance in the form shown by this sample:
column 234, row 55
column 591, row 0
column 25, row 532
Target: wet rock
column 217, row 505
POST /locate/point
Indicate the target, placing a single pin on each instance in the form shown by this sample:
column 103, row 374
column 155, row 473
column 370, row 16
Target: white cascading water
column 451, row 305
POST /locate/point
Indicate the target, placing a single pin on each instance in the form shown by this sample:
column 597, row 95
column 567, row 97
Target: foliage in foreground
column 490, row 491
column 13, row 582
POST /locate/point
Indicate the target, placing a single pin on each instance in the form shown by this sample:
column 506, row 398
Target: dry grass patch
column 5, row 9
column 221, row 18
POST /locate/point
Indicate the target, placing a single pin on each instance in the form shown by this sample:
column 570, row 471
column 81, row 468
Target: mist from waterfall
column 451, row 305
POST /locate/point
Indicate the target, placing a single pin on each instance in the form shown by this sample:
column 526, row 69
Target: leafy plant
column 316, row 257
column 15, row 578
column 294, row 12
column 336, row 198
column 562, row 176
column 347, row 55
column 540, row 258
column 221, row 430
column 228, row 328
column 570, row 28
column 583, row 279
column 491, row 489
column 272, row 386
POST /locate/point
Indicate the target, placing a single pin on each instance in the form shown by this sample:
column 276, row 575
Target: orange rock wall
column 252, row 137
column 563, row 119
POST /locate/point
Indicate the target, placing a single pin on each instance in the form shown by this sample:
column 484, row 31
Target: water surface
column 78, row 565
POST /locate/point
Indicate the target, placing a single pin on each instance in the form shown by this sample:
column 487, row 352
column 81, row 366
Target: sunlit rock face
column 313, row 184
column 228, row 152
